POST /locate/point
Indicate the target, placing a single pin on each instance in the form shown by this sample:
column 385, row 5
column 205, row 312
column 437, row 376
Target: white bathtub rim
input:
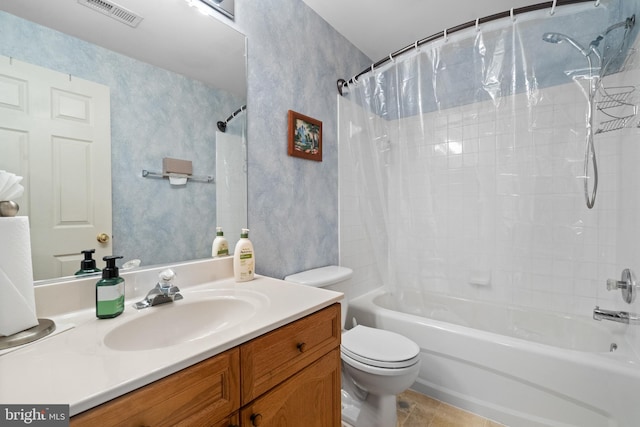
column 623, row 358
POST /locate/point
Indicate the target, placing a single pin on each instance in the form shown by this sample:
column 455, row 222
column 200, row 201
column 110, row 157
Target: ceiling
column 379, row 28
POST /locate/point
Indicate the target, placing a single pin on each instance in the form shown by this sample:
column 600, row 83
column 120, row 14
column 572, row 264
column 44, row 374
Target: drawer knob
column 301, row 347
column 256, row 419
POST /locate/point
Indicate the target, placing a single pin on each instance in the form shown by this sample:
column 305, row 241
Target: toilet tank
column 323, row 277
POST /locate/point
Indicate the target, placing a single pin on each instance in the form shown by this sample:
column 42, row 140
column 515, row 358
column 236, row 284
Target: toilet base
column 374, row 411
column 350, row 409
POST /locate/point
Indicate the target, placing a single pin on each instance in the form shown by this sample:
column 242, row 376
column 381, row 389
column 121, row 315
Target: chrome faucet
column 616, row 316
column 163, row 292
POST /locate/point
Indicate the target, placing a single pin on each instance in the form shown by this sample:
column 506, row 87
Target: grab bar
column 616, row 316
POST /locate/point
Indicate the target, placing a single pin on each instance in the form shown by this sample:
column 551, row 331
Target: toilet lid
column 378, row 347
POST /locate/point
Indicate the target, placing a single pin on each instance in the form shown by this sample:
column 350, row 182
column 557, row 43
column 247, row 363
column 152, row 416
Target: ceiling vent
column 114, row 11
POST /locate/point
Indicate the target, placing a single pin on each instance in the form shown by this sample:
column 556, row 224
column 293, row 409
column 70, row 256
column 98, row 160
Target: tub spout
column 616, row 316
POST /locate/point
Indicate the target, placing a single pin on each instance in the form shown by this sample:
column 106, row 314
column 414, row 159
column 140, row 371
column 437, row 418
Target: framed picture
column 305, row 137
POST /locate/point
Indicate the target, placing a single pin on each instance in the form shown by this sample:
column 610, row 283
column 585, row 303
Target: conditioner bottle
column 243, row 258
column 220, row 246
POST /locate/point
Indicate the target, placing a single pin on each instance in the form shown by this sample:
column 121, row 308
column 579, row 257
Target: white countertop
column 75, row 367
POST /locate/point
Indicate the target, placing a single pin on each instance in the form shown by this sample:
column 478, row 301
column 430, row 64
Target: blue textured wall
column 503, row 59
column 295, row 58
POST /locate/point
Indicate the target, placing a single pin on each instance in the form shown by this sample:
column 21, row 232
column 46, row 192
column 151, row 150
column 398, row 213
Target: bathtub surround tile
column 520, row 201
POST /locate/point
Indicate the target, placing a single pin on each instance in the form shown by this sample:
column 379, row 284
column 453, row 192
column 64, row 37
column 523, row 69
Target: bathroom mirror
column 172, row 74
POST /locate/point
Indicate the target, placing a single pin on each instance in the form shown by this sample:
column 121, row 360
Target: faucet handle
column 627, row 284
column 613, row 284
column 166, row 276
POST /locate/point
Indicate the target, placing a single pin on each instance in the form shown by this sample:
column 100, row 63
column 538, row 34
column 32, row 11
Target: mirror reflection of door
column 58, row 125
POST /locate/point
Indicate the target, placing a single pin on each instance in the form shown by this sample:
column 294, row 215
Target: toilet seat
column 379, row 348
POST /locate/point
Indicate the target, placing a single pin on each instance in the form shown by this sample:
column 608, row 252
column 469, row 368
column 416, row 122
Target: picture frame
column 305, row 137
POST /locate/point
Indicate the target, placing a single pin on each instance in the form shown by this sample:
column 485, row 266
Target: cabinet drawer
column 203, row 395
column 270, row 359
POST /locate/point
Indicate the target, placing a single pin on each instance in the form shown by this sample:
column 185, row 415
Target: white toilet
column 376, row 364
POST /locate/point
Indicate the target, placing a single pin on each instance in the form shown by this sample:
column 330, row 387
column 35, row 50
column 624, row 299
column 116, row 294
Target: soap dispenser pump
column 88, row 264
column 110, row 291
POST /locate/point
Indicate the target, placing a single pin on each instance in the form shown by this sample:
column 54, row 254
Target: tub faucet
column 616, row 316
column 162, row 293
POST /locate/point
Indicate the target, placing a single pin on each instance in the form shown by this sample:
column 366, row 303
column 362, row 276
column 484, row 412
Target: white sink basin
column 199, row 315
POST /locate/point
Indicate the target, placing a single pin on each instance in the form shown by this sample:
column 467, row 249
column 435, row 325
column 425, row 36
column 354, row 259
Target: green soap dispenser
column 110, row 291
column 88, row 264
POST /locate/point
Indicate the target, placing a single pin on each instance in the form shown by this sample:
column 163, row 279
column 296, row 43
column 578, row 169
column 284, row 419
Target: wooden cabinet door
column 310, row 398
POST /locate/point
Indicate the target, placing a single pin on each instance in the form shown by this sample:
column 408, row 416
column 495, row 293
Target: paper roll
column 17, row 296
column 177, row 179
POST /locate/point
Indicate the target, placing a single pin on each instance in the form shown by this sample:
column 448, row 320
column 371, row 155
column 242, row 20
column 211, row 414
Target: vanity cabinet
column 203, row 395
column 290, row 376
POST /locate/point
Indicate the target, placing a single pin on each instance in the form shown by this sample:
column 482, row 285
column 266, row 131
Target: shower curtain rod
column 222, row 125
column 342, row 83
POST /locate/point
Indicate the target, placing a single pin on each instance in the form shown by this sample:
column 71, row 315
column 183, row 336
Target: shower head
column 559, row 38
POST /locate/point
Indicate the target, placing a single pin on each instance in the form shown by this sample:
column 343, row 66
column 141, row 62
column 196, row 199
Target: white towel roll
column 17, row 296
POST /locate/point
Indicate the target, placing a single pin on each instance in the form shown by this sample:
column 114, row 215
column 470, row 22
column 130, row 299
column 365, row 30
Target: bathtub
column 520, row 367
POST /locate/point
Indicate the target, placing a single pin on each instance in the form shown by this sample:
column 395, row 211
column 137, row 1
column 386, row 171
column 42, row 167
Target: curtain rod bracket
column 341, row 84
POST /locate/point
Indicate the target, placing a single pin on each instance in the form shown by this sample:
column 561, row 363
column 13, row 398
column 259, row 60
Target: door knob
column 102, row 238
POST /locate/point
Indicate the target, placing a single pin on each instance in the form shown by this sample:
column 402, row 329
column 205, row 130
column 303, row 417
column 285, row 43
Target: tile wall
column 487, row 202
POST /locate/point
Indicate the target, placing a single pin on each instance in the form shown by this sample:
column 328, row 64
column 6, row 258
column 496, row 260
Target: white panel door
column 55, row 131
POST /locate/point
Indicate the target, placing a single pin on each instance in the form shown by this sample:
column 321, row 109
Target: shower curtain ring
column 416, row 46
column 513, row 17
column 391, row 58
column 477, row 24
column 553, row 7
column 372, row 66
column 597, row 3
column 444, row 35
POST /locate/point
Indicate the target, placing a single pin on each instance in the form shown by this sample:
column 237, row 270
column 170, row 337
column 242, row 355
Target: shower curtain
column 462, row 164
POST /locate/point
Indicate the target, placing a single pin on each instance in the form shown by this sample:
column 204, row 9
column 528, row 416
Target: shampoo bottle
column 243, row 258
column 110, row 291
column 220, row 246
column 88, row 264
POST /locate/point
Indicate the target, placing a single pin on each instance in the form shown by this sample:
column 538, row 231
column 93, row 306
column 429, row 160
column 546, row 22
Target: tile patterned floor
column 418, row 410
